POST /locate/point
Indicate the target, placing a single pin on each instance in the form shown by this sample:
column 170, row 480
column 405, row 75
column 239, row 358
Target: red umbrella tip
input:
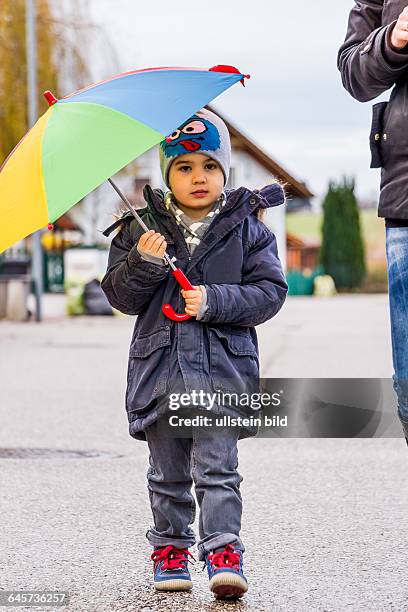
column 49, row 96
column 224, row 68
column 50, row 226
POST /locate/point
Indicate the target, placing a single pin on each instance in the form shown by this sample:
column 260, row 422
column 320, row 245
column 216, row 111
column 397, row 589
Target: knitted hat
column 204, row 132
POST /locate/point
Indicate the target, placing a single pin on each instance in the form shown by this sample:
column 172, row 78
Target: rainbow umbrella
column 86, row 137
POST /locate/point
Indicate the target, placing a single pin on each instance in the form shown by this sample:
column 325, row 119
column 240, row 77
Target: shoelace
column 226, row 558
column 172, row 557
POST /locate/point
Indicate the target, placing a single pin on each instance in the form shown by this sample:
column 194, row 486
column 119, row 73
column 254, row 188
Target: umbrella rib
column 138, row 218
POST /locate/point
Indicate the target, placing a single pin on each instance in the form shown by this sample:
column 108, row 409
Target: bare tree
column 67, row 40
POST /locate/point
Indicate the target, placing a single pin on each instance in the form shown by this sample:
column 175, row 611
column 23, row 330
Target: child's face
column 195, row 172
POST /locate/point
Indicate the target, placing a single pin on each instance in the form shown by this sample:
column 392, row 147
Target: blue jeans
column 397, row 262
column 211, row 462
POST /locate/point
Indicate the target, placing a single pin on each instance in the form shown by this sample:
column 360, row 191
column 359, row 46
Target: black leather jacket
column 369, row 66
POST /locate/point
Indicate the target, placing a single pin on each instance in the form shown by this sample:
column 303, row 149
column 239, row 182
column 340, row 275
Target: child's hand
column 153, row 243
column 193, row 300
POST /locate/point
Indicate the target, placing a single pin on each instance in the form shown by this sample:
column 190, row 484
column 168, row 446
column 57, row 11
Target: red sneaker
column 227, row 580
column 170, row 569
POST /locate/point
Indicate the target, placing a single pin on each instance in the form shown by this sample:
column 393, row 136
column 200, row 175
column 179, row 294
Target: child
column 230, row 257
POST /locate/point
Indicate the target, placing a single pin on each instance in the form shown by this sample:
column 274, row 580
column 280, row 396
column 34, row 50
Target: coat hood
column 271, row 195
column 267, row 197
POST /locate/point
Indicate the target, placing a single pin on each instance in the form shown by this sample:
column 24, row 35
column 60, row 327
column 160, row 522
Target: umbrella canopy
column 86, row 137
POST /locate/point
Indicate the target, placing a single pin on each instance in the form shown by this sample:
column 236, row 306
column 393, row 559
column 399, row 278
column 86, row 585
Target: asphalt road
column 324, row 519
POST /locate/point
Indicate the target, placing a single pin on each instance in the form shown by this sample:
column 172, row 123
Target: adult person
column 372, row 59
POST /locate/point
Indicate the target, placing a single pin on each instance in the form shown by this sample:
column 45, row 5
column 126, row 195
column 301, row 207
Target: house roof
column 293, row 187
column 65, row 222
column 298, row 242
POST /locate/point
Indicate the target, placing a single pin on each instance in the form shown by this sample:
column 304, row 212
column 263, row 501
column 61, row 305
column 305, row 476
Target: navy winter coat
column 236, row 260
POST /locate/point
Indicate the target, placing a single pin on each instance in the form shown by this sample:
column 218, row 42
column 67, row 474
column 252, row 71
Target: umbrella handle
column 167, row 309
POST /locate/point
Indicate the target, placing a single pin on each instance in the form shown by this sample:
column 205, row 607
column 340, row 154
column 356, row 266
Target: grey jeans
column 211, row 462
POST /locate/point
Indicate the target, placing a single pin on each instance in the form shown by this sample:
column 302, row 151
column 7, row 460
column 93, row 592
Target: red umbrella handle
column 167, row 309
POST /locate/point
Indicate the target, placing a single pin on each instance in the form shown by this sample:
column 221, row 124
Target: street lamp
column 32, row 90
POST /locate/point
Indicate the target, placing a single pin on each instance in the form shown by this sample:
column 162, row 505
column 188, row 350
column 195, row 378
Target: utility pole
column 32, row 89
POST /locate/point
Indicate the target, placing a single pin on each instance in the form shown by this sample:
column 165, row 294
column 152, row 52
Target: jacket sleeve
column 130, row 282
column 261, row 294
column 367, row 62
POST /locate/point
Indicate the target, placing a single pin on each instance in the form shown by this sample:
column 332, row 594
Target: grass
column 304, row 225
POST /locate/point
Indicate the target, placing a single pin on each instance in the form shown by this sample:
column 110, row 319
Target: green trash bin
column 301, row 282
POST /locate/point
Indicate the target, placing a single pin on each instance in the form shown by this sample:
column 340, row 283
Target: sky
column 294, row 106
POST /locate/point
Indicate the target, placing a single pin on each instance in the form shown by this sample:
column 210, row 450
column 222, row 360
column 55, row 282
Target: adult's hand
column 399, row 35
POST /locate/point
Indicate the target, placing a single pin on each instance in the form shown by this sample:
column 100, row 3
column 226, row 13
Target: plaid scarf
column 192, row 229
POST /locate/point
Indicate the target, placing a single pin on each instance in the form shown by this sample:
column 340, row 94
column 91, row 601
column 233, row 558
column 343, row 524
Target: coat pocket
column 234, row 362
column 148, row 368
column 377, row 134
column 143, row 346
